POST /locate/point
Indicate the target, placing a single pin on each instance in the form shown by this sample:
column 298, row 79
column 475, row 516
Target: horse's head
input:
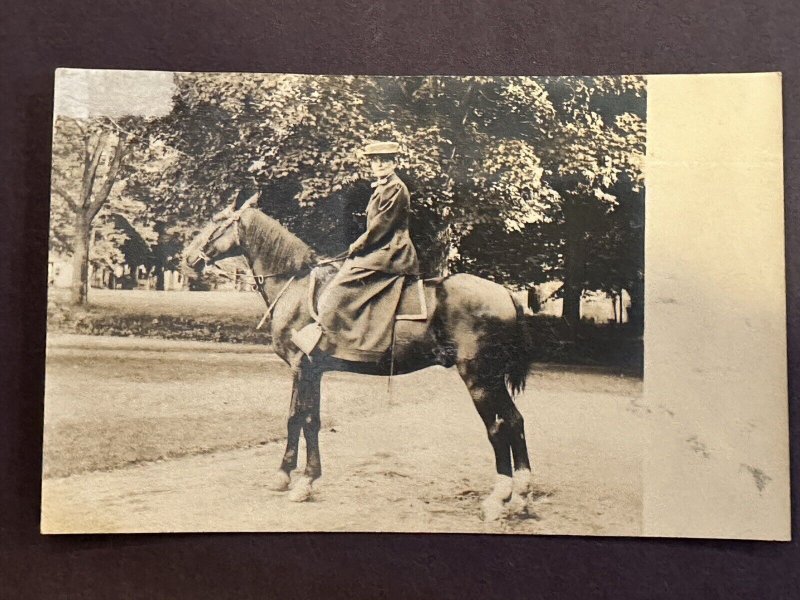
column 217, row 240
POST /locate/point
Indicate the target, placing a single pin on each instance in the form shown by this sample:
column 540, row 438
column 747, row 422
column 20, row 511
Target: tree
column 599, row 137
column 116, row 242
column 586, row 139
column 616, row 262
column 87, row 158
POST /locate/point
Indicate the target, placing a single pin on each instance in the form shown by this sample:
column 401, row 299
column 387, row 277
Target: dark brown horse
column 476, row 326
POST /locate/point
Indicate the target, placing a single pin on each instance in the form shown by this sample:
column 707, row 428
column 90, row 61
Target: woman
column 357, row 308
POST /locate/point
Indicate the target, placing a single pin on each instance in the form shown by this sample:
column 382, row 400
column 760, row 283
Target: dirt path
column 412, row 464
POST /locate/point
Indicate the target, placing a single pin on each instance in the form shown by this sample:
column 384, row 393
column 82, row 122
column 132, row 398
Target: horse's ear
column 251, row 202
column 233, row 204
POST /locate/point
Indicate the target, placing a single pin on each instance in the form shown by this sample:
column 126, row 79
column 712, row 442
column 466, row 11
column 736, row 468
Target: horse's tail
column 520, row 351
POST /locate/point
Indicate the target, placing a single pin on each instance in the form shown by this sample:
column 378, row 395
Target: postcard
column 485, row 304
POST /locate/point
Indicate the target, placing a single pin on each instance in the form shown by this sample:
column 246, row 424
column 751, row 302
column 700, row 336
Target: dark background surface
column 372, row 37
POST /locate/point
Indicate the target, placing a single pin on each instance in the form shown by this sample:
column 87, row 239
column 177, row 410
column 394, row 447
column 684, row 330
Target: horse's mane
column 277, row 248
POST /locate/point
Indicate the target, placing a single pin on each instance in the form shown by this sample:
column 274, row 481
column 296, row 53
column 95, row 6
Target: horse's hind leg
column 515, row 424
column 489, row 395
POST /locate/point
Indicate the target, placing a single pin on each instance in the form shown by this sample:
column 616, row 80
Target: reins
column 260, row 279
column 271, row 307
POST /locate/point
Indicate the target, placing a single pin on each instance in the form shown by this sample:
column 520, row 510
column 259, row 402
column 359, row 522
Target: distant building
column 59, row 274
column 59, row 270
column 597, row 307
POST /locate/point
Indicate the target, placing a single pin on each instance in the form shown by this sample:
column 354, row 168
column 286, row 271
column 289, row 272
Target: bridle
column 217, row 233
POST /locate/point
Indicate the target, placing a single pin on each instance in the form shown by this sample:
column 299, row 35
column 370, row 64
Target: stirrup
column 308, row 337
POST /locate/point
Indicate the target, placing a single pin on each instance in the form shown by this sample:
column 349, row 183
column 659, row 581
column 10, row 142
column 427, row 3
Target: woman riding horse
column 357, row 308
column 474, row 324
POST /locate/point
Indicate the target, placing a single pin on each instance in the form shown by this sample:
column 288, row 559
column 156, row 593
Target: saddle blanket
column 415, row 302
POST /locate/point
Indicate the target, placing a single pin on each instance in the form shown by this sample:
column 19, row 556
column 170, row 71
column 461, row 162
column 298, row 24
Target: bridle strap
column 271, row 307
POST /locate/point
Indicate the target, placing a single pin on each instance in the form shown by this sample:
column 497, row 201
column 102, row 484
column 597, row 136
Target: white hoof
column 279, row 481
column 503, row 486
column 520, row 489
column 493, row 509
column 522, row 482
column 301, row 490
column 516, row 504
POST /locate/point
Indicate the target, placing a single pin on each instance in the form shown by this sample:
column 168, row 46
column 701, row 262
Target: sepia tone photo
column 414, row 303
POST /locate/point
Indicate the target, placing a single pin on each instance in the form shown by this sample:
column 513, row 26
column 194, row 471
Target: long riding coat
column 357, row 307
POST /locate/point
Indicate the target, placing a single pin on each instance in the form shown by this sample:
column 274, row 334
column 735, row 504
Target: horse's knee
column 311, row 423
column 294, row 423
column 486, row 405
column 496, row 430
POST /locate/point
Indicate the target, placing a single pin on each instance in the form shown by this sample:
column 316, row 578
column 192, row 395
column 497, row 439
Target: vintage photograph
column 352, row 303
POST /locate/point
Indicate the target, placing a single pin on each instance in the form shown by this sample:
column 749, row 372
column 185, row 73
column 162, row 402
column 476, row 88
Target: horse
column 476, row 326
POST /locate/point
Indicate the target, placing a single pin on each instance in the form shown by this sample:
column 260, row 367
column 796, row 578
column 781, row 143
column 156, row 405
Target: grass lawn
column 217, row 316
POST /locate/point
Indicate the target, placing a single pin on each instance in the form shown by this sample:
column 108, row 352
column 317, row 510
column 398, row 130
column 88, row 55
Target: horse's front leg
column 310, row 379
column 294, row 423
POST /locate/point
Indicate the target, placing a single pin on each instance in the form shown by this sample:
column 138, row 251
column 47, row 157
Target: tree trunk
column 534, row 300
column 571, row 311
column 434, row 262
column 574, row 267
column 614, row 306
column 80, row 262
column 636, row 310
column 160, row 278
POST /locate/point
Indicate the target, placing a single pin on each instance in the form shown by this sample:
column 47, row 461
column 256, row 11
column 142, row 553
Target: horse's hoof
column 279, row 481
column 301, row 490
column 522, row 482
column 493, row 509
column 516, row 504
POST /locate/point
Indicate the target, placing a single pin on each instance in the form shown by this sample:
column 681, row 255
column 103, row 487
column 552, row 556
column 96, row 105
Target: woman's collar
column 384, row 180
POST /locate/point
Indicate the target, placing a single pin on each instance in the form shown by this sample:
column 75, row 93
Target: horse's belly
column 415, row 347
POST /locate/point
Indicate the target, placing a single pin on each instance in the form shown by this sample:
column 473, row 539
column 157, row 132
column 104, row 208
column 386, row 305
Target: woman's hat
column 382, row 148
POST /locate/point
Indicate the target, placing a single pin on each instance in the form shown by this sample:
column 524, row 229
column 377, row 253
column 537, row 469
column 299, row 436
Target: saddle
column 417, row 300
column 417, row 303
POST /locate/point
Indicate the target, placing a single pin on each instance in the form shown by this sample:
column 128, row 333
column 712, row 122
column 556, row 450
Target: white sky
column 83, row 93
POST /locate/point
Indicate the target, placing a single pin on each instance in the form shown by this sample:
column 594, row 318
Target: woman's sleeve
column 392, row 209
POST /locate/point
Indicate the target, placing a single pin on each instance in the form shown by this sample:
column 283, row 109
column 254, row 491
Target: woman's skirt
column 356, row 311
